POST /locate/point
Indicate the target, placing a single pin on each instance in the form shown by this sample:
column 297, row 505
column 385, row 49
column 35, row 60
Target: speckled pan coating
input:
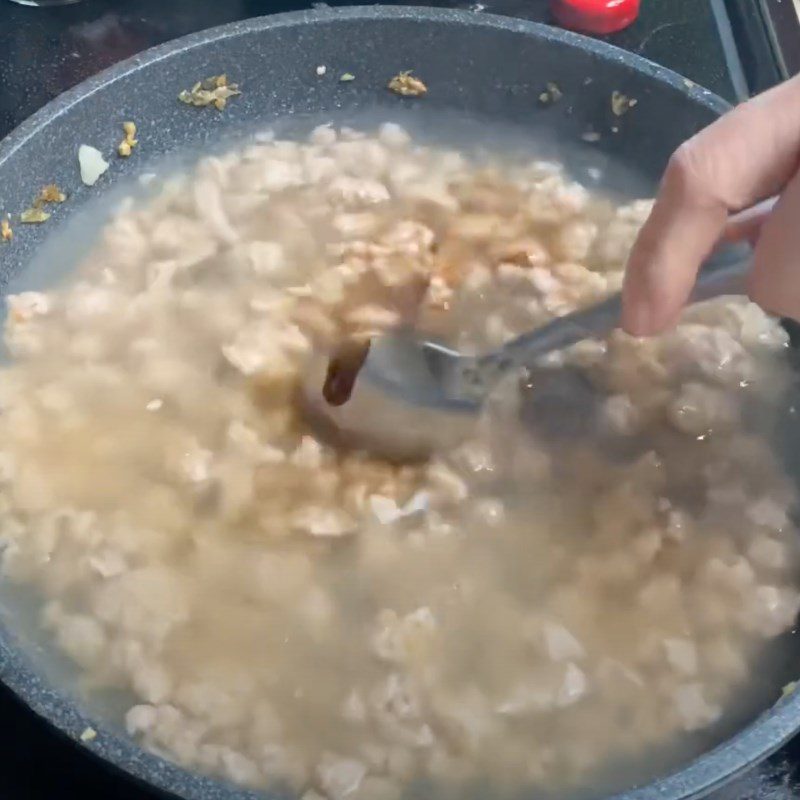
column 471, row 62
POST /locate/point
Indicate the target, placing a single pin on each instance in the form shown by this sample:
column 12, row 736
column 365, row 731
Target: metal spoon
column 426, row 373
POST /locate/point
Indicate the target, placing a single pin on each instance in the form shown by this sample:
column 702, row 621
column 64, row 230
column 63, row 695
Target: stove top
column 733, row 47
column 781, row 19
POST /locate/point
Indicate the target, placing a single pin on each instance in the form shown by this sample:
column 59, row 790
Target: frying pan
column 484, row 66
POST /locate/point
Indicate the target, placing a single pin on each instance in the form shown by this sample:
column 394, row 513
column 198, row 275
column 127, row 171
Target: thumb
column 746, row 225
column 775, row 278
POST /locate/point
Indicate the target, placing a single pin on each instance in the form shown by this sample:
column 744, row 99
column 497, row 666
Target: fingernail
column 637, row 318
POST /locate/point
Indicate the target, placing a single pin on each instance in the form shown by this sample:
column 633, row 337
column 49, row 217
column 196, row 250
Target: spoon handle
column 722, row 274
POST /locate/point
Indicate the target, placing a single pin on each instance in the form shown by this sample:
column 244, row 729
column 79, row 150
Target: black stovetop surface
column 724, row 45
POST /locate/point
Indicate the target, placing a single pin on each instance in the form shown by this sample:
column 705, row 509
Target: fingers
column 746, row 156
column 683, row 227
column 746, row 225
column 775, row 279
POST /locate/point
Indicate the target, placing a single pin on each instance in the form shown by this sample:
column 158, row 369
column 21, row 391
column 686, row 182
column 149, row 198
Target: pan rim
column 710, row 770
column 60, row 104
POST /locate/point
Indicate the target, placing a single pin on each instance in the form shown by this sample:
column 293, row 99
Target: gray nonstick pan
column 489, row 68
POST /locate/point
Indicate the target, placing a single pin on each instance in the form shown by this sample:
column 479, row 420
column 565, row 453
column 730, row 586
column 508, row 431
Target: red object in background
column 595, row 16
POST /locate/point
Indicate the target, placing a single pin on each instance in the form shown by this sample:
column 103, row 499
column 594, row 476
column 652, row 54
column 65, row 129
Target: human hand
column 750, row 154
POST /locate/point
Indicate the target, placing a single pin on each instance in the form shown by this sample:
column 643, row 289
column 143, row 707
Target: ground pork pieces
column 516, row 608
